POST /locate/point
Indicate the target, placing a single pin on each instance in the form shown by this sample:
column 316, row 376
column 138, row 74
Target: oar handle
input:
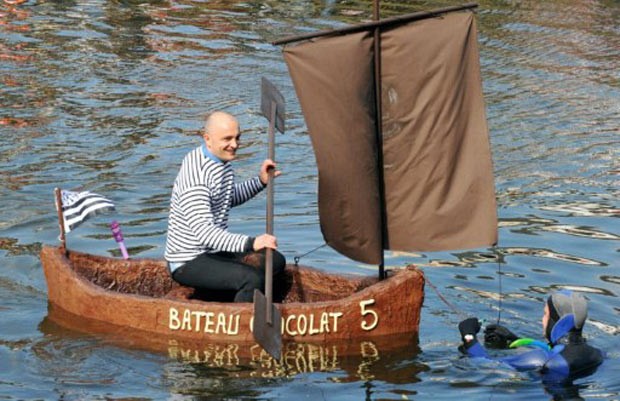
column 270, row 196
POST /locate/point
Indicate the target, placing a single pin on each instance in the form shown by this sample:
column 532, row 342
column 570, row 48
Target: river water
column 109, row 95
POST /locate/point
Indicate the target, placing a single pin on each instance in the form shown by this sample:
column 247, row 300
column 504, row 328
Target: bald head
column 220, row 120
column 221, row 135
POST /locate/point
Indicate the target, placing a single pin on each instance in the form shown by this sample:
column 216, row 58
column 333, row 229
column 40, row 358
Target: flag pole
column 61, row 223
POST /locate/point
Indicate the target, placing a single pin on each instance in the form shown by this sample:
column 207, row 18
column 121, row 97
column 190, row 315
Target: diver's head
column 562, row 303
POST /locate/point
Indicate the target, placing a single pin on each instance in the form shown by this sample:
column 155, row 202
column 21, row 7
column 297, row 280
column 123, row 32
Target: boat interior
column 150, row 277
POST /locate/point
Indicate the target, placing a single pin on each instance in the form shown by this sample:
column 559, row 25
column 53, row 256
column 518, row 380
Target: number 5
column 367, row 311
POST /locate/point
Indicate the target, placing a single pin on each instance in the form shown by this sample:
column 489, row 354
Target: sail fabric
column 438, row 173
column 334, row 80
column 437, row 169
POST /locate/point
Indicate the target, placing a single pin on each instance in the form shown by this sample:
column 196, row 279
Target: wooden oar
column 267, row 319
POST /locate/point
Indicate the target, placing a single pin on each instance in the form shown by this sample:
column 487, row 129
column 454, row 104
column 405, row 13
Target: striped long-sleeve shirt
column 203, row 194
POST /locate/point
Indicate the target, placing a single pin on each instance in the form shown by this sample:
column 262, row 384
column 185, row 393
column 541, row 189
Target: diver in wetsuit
column 566, row 356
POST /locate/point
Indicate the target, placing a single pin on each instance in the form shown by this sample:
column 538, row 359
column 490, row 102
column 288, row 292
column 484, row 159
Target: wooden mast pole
column 379, row 134
column 61, row 222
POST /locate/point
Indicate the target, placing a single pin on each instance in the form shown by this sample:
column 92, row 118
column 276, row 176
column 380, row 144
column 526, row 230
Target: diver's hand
column 469, row 328
column 497, row 336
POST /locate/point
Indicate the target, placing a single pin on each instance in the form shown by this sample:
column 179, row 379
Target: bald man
column 200, row 250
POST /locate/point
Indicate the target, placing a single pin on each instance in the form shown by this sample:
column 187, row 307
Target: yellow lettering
column 173, row 321
column 209, row 322
column 198, row 316
column 305, row 324
column 313, row 330
column 288, row 329
column 233, row 330
column 335, row 316
column 364, row 310
column 221, row 322
column 324, row 323
column 187, row 320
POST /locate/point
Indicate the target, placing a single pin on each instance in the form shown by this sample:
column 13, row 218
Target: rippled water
column 108, row 96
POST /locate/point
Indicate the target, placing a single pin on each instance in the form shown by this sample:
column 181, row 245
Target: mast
column 379, row 135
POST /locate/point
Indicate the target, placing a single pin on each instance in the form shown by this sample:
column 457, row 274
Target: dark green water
column 108, row 96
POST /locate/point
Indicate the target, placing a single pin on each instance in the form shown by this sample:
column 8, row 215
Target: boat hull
column 319, row 308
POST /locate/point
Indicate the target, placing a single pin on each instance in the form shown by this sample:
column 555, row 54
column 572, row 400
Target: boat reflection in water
column 352, row 360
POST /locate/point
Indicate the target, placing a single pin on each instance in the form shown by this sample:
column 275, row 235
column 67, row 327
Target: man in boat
column 200, row 251
column 564, row 357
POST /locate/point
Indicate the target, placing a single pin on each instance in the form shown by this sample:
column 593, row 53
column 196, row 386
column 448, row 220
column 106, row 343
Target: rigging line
column 445, row 301
column 499, row 273
column 298, row 258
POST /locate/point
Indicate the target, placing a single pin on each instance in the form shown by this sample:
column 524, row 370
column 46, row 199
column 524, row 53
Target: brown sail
column 335, row 85
column 437, row 169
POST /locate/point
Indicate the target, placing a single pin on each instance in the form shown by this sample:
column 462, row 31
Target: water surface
column 109, row 95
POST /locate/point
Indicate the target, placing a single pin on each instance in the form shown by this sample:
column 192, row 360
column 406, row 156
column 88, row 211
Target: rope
column 460, row 312
column 445, row 301
column 499, row 272
column 298, row 258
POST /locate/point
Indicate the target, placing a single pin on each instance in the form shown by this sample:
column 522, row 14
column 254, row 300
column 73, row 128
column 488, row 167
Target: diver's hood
column 567, row 312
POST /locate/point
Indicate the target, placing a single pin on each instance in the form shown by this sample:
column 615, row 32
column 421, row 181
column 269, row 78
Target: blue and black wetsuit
column 571, row 358
column 565, row 356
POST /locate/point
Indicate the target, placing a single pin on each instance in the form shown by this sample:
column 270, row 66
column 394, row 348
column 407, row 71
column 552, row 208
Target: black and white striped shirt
column 203, row 193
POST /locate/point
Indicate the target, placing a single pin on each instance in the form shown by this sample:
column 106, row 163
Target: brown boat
column 395, row 111
column 139, row 296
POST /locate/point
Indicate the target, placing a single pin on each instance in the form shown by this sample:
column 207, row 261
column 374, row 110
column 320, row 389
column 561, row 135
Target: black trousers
column 243, row 272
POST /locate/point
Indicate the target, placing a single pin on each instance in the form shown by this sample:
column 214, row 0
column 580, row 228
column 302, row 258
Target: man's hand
column 264, row 171
column 265, row 241
column 496, row 336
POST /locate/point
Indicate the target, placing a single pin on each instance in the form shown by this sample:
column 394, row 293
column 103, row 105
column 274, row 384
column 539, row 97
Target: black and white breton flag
column 78, row 206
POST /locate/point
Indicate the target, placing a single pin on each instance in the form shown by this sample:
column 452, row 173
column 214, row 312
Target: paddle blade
column 269, row 94
column 268, row 336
